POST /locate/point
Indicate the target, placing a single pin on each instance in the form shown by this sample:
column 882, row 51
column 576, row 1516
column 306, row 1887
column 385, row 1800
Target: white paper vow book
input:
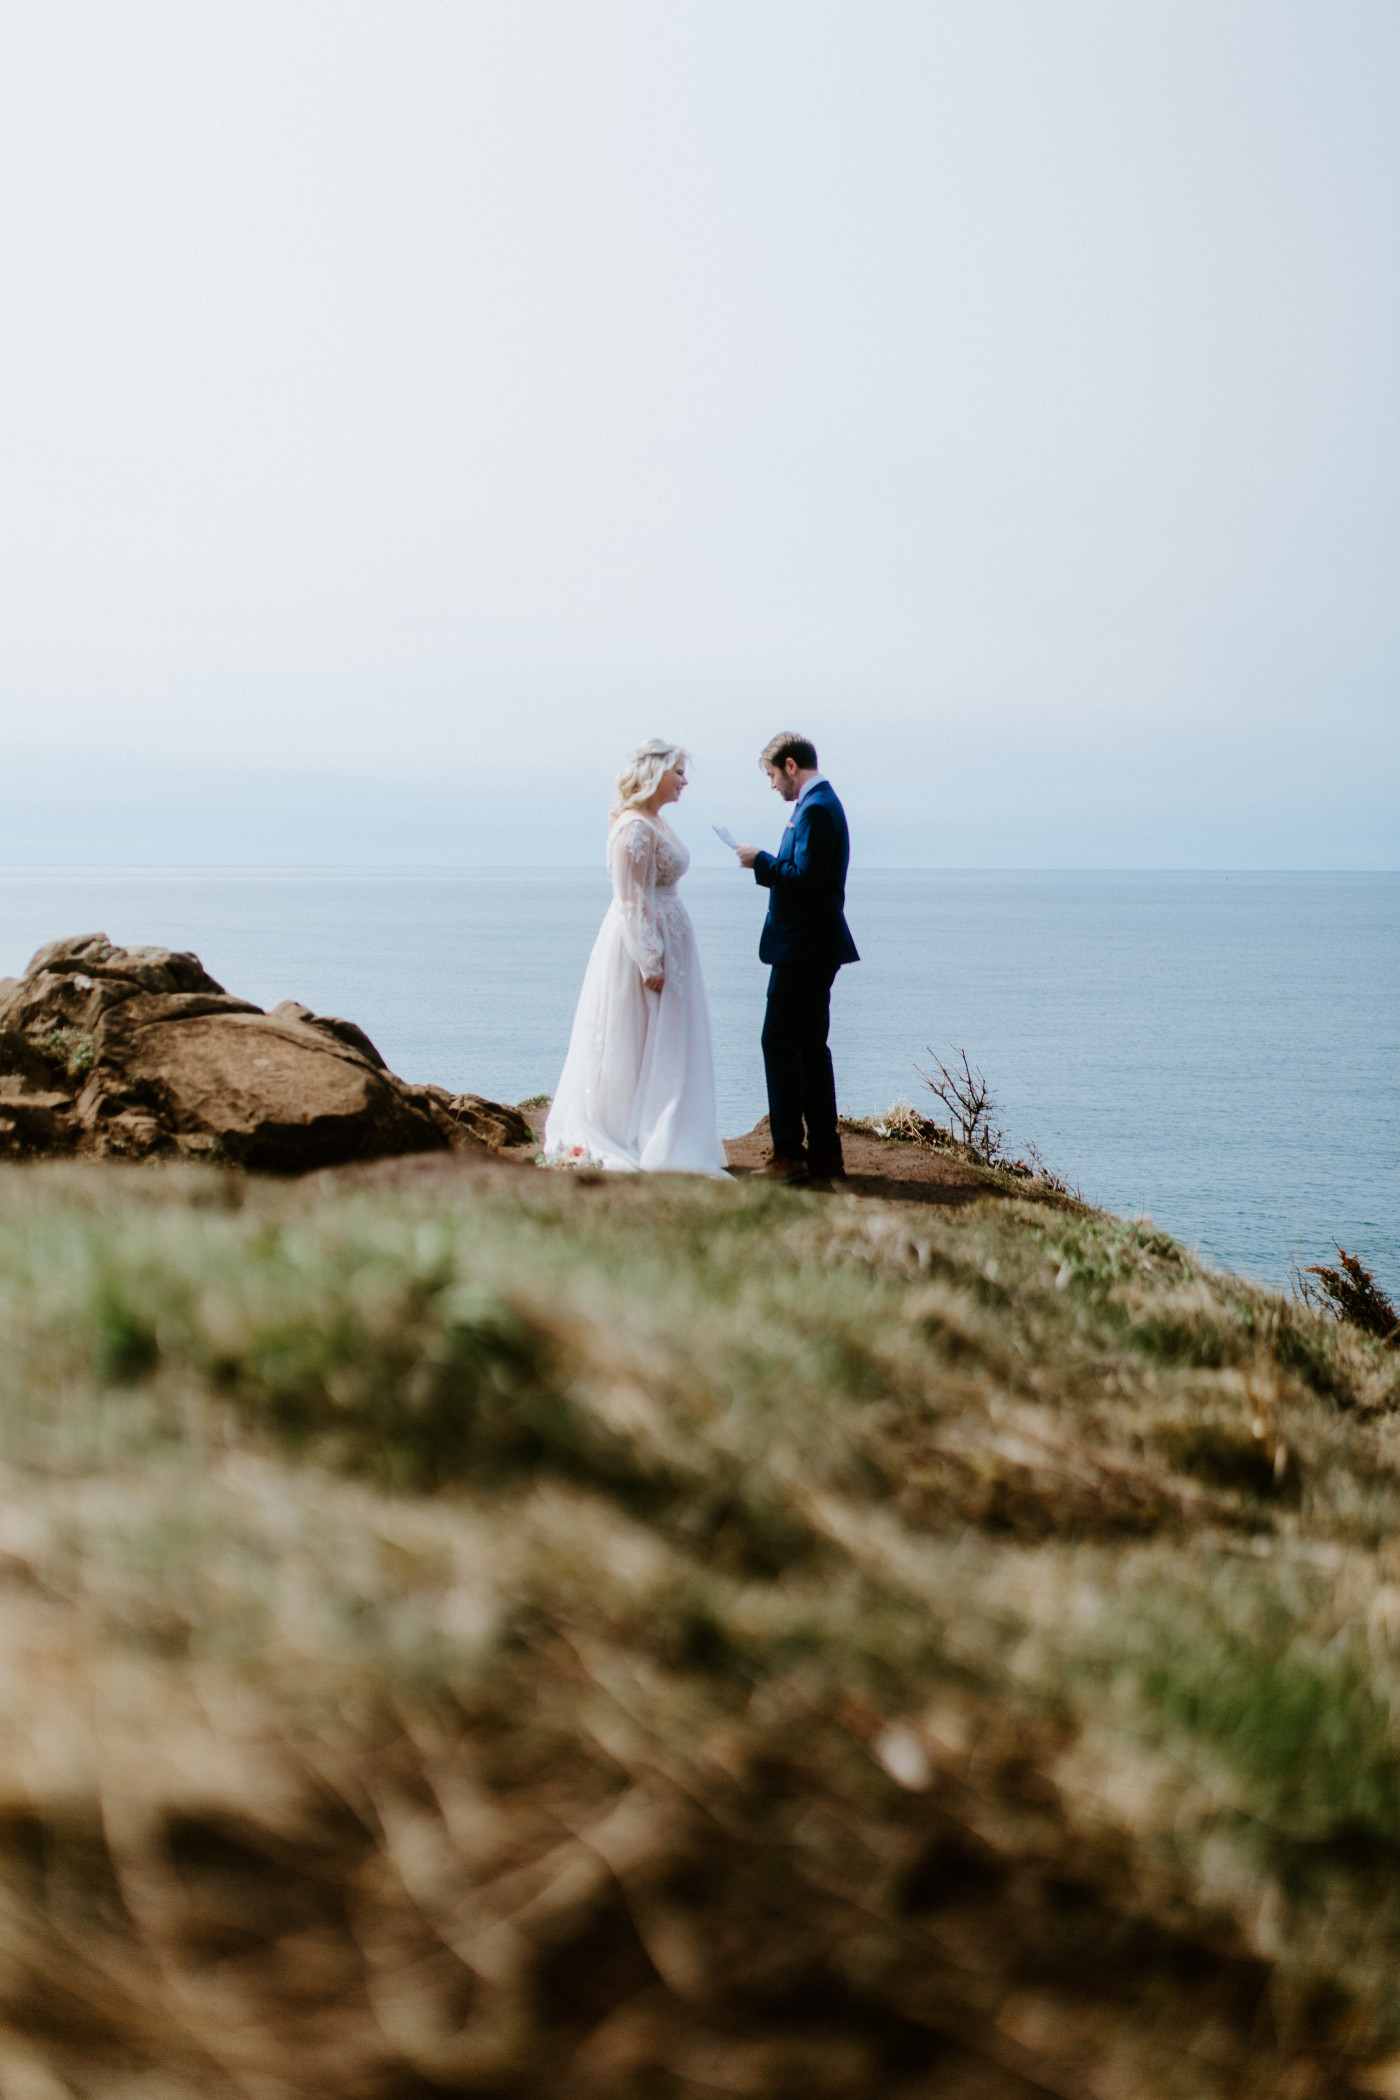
column 727, row 837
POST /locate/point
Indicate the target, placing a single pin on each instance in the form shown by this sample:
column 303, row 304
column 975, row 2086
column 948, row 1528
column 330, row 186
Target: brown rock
column 496, row 1125
column 138, row 1051
column 344, row 1031
column 32, row 1120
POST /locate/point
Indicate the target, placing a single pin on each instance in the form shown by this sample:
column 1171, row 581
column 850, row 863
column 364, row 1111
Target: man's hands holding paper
column 747, row 854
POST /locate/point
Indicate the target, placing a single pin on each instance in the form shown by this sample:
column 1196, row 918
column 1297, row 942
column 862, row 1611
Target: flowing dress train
column 638, row 1085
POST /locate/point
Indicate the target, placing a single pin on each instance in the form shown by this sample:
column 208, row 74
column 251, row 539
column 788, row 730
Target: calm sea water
column 1219, row 1050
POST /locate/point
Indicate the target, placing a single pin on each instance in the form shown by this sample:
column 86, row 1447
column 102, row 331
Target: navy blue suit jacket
column 806, row 884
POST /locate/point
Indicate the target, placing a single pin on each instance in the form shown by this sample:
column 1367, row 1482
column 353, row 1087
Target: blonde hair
column 637, row 782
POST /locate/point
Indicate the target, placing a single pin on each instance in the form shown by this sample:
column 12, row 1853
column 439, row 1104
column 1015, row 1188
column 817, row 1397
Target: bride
column 638, row 1085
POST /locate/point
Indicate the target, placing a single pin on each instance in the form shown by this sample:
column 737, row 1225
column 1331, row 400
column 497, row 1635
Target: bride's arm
column 633, row 861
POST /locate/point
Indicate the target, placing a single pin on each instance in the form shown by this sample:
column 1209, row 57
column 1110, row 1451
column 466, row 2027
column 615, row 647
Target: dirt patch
column 877, row 1168
column 881, row 1167
column 432, row 1170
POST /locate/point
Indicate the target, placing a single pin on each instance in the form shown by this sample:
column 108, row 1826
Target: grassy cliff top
column 511, row 1633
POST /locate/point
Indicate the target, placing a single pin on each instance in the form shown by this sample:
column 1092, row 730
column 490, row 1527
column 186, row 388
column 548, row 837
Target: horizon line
column 461, row 868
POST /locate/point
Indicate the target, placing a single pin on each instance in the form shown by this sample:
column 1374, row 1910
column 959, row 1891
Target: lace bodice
column 672, row 860
column 646, row 860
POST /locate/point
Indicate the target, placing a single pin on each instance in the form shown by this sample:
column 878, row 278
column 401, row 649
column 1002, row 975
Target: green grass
column 644, row 1637
column 71, row 1048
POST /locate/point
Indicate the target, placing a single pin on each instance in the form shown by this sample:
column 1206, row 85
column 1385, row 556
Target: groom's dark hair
column 787, row 744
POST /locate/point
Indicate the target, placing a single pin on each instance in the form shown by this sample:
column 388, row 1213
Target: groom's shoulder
column 823, row 796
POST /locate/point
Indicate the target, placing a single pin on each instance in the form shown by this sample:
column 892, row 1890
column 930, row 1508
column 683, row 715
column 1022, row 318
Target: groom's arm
column 809, row 869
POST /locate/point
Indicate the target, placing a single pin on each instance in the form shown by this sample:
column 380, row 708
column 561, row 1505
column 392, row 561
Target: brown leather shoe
column 830, row 1169
column 778, row 1167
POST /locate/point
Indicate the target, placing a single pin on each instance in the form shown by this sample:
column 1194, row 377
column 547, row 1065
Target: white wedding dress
column 638, row 1085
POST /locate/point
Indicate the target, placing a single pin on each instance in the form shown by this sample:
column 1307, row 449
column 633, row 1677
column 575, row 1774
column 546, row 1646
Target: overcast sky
column 406, row 407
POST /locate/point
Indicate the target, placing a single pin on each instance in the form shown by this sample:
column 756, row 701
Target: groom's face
column 783, row 783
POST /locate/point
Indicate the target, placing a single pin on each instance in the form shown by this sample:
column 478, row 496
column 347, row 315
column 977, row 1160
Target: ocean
column 1219, row 1051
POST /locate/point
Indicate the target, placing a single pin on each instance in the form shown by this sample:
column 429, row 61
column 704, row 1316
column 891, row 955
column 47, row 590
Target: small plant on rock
column 71, row 1047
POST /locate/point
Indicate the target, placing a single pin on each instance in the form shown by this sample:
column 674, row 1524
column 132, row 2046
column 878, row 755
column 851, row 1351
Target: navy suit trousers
column 797, row 1062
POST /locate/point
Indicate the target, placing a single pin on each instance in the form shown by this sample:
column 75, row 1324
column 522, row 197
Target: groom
column 806, row 940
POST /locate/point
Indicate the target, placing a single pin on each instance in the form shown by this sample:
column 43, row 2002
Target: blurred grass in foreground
column 670, row 1639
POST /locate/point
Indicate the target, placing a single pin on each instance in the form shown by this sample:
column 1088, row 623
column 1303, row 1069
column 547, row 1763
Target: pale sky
column 407, row 407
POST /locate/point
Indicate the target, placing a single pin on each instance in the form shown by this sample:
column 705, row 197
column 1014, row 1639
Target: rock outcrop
column 138, row 1052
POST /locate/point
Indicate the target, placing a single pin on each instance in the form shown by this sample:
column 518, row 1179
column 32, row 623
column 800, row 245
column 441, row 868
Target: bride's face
column 668, row 787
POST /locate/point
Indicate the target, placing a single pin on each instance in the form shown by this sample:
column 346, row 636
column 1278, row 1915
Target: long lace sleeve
column 632, row 861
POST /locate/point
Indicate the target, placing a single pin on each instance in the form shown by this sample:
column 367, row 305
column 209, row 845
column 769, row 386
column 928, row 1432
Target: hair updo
column 638, row 780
